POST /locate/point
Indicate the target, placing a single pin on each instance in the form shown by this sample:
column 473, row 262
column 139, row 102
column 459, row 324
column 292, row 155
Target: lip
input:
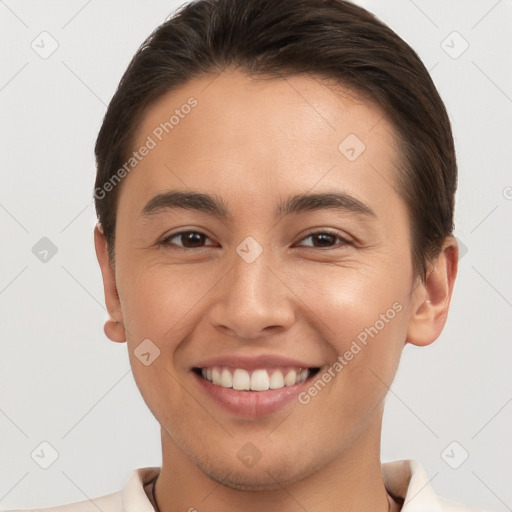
column 251, row 404
column 254, row 362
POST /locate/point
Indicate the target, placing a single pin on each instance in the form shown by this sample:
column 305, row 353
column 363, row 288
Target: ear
column 431, row 299
column 114, row 325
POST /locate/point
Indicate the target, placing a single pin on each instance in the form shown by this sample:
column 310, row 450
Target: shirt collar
column 133, row 493
column 405, row 479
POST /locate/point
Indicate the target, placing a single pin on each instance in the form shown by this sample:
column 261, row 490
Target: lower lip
column 251, row 404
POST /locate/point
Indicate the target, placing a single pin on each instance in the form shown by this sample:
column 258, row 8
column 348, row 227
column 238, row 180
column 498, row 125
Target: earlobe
column 432, row 297
column 114, row 330
column 114, row 325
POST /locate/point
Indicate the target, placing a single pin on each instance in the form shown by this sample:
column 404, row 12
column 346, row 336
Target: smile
column 260, row 379
column 253, row 386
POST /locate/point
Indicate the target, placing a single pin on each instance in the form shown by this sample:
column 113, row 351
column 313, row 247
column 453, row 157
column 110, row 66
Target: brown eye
column 186, row 239
column 324, row 239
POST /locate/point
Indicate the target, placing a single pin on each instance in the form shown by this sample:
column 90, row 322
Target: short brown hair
column 333, row 39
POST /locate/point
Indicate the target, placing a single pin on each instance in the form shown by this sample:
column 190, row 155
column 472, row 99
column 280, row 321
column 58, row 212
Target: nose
column 254, row 299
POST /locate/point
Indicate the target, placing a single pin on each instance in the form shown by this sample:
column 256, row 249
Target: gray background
column 63, row 382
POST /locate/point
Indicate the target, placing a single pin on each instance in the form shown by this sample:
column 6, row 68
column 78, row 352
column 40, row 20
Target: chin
column 245, row 481
column 264, row 476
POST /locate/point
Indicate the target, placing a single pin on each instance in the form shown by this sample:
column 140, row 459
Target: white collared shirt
column 405, row 479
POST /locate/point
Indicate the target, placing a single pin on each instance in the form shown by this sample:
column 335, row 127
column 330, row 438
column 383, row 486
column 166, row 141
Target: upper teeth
column 258, row 380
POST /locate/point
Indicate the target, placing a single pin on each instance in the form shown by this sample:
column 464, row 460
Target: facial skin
column 253, row 144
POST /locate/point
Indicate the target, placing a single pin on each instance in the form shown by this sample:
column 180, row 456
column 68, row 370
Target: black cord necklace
column 155, row 506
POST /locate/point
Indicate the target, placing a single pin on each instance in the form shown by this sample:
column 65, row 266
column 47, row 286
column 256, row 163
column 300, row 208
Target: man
column 274, row 191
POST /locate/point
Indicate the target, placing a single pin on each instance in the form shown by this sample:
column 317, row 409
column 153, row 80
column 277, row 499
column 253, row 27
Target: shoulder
column 407, row 481
column 131, row 498
column 452, row 506
column 108, row 503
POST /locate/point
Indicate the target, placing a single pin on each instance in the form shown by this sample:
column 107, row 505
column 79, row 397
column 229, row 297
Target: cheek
column 159, row 300
column 348, row 300
column 362, row 317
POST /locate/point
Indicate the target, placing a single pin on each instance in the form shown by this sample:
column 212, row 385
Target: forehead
column 232, row 104
column 263, row 135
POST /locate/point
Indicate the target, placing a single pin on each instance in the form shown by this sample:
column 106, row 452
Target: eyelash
column 166, row 241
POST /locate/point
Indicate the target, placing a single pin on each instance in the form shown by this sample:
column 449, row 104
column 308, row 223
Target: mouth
column 255, row 380
column 253, row 386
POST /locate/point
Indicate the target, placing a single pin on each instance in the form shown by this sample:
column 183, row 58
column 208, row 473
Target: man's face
column 265, row 291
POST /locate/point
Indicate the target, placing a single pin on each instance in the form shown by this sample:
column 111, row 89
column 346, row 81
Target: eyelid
column 166, row 238
column 320, row 231
column 344, row 240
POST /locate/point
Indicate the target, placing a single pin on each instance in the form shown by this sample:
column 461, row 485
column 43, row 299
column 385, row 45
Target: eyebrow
column 206, row 203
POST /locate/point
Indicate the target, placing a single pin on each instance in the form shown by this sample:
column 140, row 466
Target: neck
column 351, row 481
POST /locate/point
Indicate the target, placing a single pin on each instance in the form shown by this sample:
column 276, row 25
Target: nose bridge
column 252, row 297
column 252, row 275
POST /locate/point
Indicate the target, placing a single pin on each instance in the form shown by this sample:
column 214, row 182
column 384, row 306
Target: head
column 305, row 146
